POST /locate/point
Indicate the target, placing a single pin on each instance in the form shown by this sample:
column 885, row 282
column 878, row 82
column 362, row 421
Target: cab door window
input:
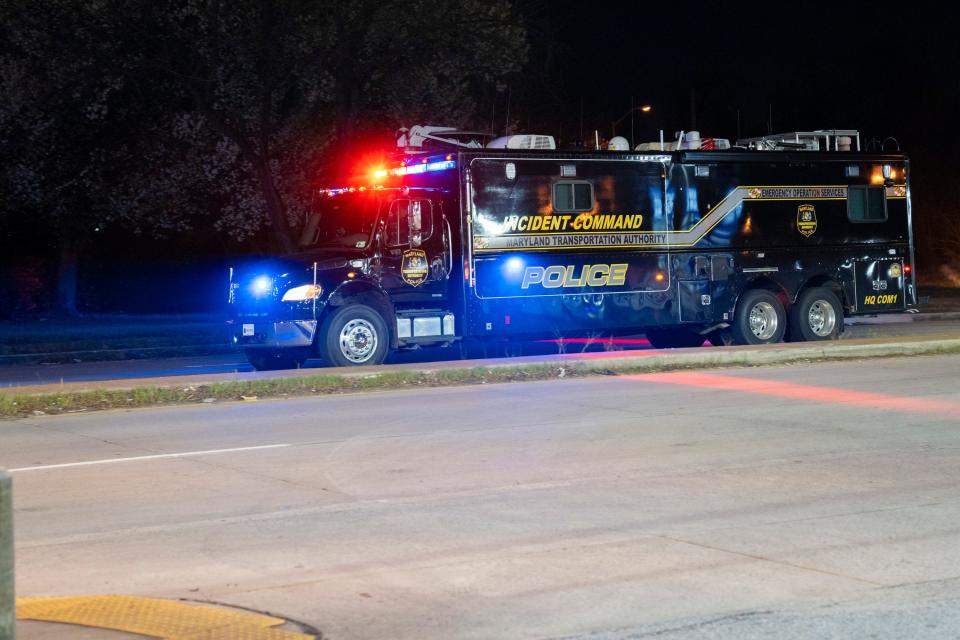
column 409, row 223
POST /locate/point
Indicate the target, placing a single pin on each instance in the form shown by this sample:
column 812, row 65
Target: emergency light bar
column 424, row 167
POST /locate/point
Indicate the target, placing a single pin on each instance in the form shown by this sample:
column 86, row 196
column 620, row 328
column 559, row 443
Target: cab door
column 416, row 252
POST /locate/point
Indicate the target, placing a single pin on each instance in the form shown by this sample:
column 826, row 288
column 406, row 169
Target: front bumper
column 252, row 333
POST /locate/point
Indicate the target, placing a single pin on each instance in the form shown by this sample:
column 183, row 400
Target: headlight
column 300, row 294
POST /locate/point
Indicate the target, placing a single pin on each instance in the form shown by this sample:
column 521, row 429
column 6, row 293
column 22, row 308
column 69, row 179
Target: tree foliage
column 157, row 115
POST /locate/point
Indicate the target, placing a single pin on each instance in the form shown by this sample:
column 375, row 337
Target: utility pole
column 693, row 109
column 581, row 119
column 506, row 127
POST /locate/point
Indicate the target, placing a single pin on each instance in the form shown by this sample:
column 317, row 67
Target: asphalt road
column 790, row 502
column 19, row 375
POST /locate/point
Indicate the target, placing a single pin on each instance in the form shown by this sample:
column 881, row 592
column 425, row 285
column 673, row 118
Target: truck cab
column 373, row 272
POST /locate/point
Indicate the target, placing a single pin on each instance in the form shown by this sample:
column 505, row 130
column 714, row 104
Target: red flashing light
column 907, row 268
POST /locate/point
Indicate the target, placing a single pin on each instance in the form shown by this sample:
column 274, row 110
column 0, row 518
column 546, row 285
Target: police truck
column 459, row 239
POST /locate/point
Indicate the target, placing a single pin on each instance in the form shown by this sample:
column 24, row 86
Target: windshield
column 342, row 221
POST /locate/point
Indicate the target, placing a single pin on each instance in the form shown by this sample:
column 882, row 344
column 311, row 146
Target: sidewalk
column 36, row 630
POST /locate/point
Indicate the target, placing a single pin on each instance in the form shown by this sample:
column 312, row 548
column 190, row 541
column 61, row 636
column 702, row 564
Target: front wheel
column 759, row 318
column 817, row 315
column 354, row 335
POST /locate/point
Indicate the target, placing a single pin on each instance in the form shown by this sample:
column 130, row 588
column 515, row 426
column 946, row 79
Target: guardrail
column 7, row 601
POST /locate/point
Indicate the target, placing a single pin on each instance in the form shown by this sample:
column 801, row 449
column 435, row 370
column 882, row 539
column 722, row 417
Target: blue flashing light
column 424, row 167
column 262, row 285
column 513, row 267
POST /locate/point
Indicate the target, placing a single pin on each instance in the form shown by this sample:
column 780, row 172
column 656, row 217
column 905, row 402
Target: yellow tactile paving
column 167, row 619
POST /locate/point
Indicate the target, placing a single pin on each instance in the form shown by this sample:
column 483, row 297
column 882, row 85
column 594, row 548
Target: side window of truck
column 410, row 222
column 867, row 204
column 572, row 196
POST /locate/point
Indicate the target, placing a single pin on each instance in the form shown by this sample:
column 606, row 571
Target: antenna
column 506, row 125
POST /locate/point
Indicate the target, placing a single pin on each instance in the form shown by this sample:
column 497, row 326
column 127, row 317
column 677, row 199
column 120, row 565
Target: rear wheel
column 673, row 338
column 759, row 318
column 354, row 335
column 273, row 359
column 817, row 315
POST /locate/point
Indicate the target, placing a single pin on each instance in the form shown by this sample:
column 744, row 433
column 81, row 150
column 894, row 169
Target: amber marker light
column 659, row 277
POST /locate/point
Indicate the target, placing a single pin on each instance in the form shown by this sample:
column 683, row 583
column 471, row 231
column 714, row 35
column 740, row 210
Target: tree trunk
column 275, row 207
column 67, row 277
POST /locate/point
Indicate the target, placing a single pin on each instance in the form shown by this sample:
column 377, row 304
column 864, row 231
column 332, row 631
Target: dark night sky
column 886, row 70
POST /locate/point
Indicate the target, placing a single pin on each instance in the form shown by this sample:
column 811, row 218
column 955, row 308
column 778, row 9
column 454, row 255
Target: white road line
column 184, row 454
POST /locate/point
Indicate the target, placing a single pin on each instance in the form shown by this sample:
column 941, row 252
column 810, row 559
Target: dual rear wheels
column 761, row 318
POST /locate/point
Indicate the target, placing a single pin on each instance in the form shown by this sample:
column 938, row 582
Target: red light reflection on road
column 822, row 395
column 634, row 342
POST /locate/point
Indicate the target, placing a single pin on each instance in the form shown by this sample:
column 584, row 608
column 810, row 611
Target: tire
column 673, row 338
column 273, row 359
column 817, row 315
column 354, row 335
column 759, row 318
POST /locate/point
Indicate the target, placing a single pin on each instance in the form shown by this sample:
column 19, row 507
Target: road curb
column 74, row 397
column 903, row 318
column 735, row 356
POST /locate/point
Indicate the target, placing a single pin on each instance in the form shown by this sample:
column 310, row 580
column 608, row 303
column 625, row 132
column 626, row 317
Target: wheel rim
column 822, row 318
column 763, row 320
column 358, row 340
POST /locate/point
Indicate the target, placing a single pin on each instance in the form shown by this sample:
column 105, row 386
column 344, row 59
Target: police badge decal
column 806, row 220
column 414, row 267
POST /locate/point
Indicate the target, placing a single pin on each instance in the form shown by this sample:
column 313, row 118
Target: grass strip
column 23, row 405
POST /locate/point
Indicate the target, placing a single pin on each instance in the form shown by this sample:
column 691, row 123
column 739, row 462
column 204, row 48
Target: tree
column 269, row 77
column 421, row 60
column 66, row 110
column 152, row 115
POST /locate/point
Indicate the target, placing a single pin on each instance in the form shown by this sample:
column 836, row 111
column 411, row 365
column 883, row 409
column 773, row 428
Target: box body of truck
column 509, row 244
